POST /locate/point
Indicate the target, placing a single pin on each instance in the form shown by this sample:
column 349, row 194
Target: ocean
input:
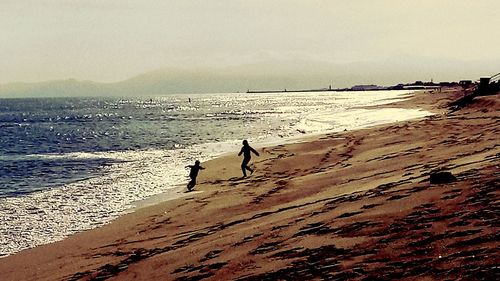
column 71, row 164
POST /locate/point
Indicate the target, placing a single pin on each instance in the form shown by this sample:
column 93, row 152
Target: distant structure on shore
column 417, row 85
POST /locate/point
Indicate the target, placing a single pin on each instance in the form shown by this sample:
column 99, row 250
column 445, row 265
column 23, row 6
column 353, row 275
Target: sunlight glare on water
column 71, row 164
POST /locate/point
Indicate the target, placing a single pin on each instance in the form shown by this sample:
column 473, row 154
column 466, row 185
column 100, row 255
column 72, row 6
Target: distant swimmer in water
column 193, row 174
column 245, row 150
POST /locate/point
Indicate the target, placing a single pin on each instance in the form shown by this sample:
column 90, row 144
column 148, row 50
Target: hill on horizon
column 275, row 75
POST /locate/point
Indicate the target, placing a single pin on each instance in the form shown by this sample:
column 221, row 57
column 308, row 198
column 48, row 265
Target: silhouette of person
column 245, row 150
column 193, row 174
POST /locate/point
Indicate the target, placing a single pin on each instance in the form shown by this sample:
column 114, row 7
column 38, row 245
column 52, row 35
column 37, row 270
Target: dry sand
column 343, row 206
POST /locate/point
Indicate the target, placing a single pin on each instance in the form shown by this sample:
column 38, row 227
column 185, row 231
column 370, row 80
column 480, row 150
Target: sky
column 112, row 40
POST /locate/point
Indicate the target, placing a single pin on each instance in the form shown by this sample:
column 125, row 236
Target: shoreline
column 179, row 190
column 288, row 200
column 208, row 150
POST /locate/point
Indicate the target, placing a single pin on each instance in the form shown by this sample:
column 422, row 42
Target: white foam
column 51, row 215
column 356, row 119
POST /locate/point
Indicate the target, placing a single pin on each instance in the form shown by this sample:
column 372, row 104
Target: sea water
column 71, row 164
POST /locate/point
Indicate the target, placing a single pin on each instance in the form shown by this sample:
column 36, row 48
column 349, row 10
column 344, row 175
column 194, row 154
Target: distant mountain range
column 276, row 75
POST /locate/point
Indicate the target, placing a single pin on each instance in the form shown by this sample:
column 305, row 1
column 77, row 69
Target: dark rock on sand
column 437, row 177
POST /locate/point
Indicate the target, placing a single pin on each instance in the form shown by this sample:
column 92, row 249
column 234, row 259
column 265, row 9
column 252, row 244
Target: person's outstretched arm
column 201, row 168
column 254, row 151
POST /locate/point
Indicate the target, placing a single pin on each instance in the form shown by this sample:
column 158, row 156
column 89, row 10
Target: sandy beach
column 354, row 205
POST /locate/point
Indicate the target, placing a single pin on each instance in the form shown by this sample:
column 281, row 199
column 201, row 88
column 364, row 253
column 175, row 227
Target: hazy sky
column 111, row 40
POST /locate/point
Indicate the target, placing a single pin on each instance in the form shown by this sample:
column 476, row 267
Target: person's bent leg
column 250, row 169
column 191, row 184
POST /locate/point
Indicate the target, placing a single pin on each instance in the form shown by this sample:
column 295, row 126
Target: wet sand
column 343, row 206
